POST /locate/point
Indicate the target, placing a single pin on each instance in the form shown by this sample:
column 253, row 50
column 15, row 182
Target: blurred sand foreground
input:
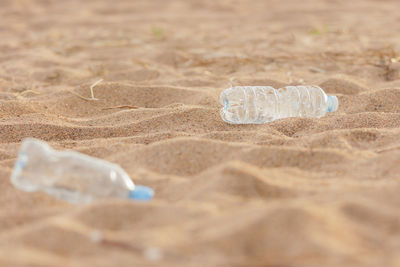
column 295, row 192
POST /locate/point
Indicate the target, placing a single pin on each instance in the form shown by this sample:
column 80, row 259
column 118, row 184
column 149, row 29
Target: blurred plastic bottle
column 261, row 104
column 72, row 176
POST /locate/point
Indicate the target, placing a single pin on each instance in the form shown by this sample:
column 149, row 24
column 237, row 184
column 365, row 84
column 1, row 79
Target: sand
column 294, row 192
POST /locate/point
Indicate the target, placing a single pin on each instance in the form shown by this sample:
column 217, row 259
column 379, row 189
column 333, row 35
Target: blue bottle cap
column 333, row 103
column 142, row 193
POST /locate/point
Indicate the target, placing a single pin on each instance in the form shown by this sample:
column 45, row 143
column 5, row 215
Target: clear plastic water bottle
column 72, row 176
column 261, row 104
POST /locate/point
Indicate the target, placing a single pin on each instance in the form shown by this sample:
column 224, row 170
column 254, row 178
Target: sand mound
column 294, row 192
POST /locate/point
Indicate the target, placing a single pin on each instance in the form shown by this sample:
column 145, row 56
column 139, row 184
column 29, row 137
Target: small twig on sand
column 315, row 69
column 92, row 98
column 91, row 89
column 123, row 106
column 29, row 91
column 81, row 96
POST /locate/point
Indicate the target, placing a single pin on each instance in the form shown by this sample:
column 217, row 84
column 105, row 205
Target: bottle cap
column 333, row 103
column 141, row 192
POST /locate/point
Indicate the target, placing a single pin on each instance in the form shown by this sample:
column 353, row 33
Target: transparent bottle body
column 261, row 104
column 68, row 175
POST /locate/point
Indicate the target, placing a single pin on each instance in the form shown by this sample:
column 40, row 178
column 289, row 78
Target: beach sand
column 294, row 192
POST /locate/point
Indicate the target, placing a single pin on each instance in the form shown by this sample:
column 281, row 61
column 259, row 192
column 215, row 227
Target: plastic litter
column 261, row 104
column 72, row 176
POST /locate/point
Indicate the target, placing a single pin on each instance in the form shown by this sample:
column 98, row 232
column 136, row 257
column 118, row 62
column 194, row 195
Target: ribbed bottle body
column 261, row 104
